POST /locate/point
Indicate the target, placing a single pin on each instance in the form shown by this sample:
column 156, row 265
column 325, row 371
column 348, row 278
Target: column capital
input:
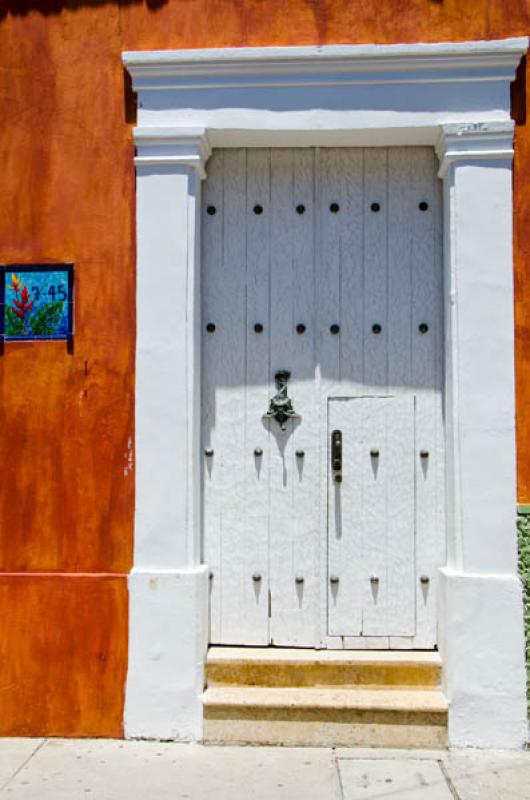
column 474, row 141
column 161, row 146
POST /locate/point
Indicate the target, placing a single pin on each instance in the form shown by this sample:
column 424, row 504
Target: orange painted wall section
column 67, row 420
column 63, row 654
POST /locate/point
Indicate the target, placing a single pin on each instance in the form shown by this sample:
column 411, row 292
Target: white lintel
column 276, row 66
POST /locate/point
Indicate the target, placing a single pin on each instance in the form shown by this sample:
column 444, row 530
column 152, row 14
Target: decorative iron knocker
column 281, row 407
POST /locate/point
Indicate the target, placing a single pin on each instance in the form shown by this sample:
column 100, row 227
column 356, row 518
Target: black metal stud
column 299, row 579
column 258, row 209
column 423, row 206
column 376, row 328
column 208, row 452
column 258, row 327
column 258, row 452
column 375, row 207
column 210, row 327
column 334, row 208
column 300, row 328
column 374, row 453
column 334, row 329
column 211, row 210
column 424, row 454
column 423, row 327
column 300, row 209
column 300, row 453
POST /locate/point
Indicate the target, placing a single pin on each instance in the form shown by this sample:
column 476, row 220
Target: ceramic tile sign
column 37, row 301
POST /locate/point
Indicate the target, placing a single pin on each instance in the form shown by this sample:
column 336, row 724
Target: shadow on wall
column 21, row 7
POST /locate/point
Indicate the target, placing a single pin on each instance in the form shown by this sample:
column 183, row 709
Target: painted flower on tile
column 24, row 305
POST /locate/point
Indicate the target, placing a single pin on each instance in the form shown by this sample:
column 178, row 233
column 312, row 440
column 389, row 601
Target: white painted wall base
column 168, row 640
column 482, row 647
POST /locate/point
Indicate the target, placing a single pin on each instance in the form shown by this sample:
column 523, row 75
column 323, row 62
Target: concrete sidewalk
column 40, row 769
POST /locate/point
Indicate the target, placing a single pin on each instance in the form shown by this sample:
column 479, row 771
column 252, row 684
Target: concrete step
column 290, row 667
column 307, row 716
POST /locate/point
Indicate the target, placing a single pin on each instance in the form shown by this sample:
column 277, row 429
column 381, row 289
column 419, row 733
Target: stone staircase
column 324, row 698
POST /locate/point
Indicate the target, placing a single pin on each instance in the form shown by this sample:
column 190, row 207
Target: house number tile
column 36, row 301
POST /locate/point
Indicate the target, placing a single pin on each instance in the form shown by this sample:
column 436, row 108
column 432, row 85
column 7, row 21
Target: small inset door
column 371, row 517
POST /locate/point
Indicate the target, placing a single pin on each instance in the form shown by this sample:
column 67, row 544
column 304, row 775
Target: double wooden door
column 323, row 264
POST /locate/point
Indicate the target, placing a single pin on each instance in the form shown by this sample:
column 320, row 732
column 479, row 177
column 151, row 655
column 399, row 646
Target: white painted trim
column 172, row 147
column 473, row 142
column 165, row 678
column 278, row 66
column 454, row 96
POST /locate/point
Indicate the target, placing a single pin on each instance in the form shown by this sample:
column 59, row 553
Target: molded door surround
column 455, row 97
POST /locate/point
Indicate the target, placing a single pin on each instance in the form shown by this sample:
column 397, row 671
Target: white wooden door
column 325, row 263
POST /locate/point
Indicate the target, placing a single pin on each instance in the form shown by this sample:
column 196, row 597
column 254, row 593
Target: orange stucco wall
column 67, row 420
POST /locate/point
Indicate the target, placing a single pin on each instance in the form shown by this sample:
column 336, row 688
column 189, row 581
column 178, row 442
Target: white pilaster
column 481, row 631
column 168, row 586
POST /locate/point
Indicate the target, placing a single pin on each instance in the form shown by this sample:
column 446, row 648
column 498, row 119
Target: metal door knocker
column 281, row 407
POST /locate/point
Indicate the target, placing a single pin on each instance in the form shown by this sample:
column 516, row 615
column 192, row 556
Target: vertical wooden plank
column 294, row 606
column 375, row 473
column 212, row 278
column 400, row 518
column 400, row 221
column 328, row 277
column 375, row 377
column 282, row 464
column 352, row 279
column 256, row 389
column 375, row 267
column 427, row 373
column 345, row 521
column 244, row 601
column 387, row 498
column 401, row 217
column 439, row 548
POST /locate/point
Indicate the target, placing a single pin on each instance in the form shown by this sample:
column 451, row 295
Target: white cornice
column 474, row 142
column 158, row 146
column 335, row 64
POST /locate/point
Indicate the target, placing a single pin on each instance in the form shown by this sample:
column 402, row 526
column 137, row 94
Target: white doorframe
column 451, row 96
